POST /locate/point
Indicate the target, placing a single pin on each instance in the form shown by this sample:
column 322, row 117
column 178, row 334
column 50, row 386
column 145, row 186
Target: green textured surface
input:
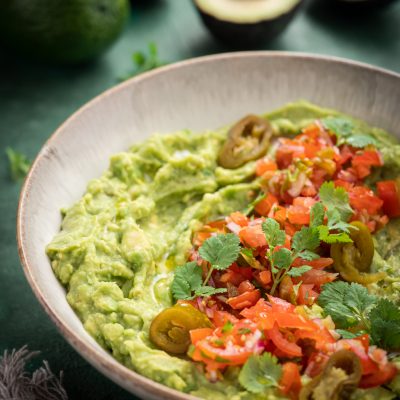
column 35, row 99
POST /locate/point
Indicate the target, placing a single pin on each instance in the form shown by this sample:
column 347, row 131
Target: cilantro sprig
column 18, row 164
column 281, row 260
column 352, row 306
column 347, row 133
column 220, row 251
column 335, row 208
column 145, row 61
column 260, row 372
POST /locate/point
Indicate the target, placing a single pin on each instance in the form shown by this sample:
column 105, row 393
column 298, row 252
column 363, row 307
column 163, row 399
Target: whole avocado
column 61, row 31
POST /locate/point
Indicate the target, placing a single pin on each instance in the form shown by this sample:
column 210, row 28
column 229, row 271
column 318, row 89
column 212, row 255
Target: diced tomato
column 306, row 295
column 232, row 277
column 247, row 272
column 239, row 218
column 346, row 154
column 199, row 334
column 313, row 131
column 309, row 191
column 244, row 300
column 289, row 348
column 290, row 382
column 200, row 237
column 245, row 286
column 265, row 165
column 218, row 225
column 263, row 207
column 320, row 337
column 317, row 277
column 343, row 183
column 265, row 277
column 306, row 202
column 253, row 236
column 287, row 151
column 298, row 215
column 363, row 198
column 280, row 214
column 222, row 317
column 279, row 305
column 293, row 320
column 385, row 374
column 389, row 193
column 319, row 263
column 363, row 162
column 318, row 176
column 234, row 355
column 259, row 309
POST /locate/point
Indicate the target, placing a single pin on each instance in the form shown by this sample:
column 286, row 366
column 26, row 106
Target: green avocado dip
column 120, row 243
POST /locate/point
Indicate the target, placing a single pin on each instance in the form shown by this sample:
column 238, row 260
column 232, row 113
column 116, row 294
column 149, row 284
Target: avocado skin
column 61, row 32
column 239, row 35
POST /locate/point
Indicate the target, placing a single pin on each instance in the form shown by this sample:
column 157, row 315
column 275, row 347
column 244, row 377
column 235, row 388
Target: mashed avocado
column 119, row 244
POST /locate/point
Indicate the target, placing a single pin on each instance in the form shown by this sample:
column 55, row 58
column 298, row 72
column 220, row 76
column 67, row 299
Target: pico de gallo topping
column 247, row 295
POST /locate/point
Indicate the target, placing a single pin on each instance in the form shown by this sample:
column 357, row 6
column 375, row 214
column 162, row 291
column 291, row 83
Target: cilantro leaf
column 335, row 221
column 338, row 125
column 361, row 140
column 282, row 258
column 18, row 164
column 349, row 335
column 347, row 304
column 346, row 132
column 220, row 250
column 273, row 233
column 187, row 278
column 298, row 271
column 260, row 373
column 317, row 214
column 330, row 238
column 335, row 198
column 385, row 325
column 208, row 291
column 305, row 239
column 308, row 255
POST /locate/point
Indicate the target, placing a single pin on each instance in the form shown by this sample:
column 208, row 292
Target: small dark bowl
column 247, row 34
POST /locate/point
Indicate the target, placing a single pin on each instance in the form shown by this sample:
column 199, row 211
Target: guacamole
column 120, row 243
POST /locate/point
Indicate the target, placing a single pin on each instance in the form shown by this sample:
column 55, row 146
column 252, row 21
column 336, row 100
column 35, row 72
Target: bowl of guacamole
column 219, row 238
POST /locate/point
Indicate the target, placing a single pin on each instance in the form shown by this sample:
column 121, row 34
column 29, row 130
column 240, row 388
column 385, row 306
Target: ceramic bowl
column 198, row 94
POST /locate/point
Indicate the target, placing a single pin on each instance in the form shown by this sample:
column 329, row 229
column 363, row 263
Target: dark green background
column 35, row 99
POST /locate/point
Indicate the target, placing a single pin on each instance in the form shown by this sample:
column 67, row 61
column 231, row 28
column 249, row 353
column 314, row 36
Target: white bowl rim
column 93, row 356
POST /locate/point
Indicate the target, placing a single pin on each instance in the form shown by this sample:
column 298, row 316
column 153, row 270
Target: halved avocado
column 243, row 22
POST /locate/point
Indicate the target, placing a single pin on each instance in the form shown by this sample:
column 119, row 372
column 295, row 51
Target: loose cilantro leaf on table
column 145, row 62
column 260, row 373
column 18, row 164
column 346, row 132
column 347, row 304
column 385, row 325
